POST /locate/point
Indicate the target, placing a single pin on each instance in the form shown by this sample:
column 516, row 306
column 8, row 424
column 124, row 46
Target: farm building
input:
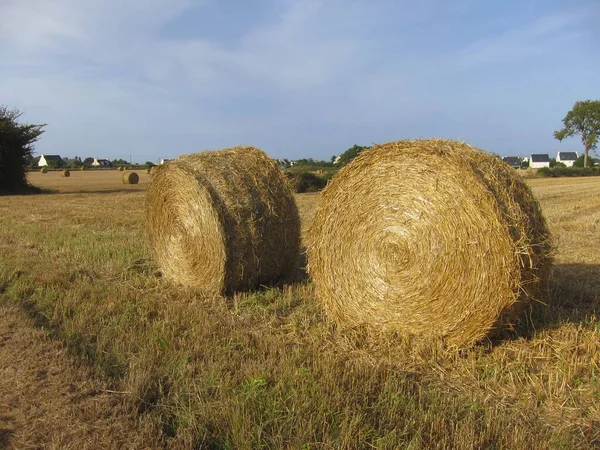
column 567, row 158
column 101, row 163
column 539, row 160
column 164, row 160
column 50, row 160
column 513, row 161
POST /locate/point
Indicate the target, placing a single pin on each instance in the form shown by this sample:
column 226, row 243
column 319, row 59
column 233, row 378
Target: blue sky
column 297, row 78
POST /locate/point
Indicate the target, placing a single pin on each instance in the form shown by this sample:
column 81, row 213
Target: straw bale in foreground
column 428, row 238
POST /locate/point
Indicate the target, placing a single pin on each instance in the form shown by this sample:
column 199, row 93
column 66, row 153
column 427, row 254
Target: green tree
column 350, row 154
column 16, row 147
column 583, row 119
column 580, row 162
column 119, row 162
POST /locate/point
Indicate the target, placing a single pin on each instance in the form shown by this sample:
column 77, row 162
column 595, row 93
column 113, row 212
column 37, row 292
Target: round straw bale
column 66, row 173
column 44, row 170
column 430, row 238
column 131, row 178
column 223, row 220
column 148, row 170
column 121, row 168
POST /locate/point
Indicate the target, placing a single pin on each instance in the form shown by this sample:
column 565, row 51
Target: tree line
column 17, row 146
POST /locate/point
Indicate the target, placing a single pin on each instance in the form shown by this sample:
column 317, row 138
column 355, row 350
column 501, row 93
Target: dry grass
column 263, row 369
column 39, row 383
column 431, row 238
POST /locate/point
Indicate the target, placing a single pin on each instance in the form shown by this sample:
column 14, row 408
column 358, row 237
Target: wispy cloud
column 104, row 73
column 539, row 37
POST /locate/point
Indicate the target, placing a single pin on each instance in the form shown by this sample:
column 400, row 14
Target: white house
column 162, row 161
column 538, row 161
column 101, row 163
column 45, row 159
column 567, row 158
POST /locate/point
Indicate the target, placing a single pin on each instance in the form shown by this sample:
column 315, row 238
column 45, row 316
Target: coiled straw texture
column 430, row 238
column 225, row 221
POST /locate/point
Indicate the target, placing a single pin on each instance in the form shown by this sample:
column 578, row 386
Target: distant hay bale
column 82, row 168
column 44, row 170
column 66, row 173
column 225, row 220
column 148, row 170
column 430, row 238
column 121, row 168
column 131, row 178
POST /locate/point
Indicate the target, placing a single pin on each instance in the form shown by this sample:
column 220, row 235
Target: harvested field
column 264, row 369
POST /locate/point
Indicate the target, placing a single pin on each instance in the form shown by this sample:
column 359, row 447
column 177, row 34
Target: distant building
column 283, row 163
column 539, row 160
column 513, row 161
column 101, row 163
column 162, row 161
column 337, row 159
column 50, row 160
column 567, row 158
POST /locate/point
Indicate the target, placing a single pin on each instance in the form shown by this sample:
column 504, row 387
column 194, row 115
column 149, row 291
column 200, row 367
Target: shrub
column 308, row 182
column 16, row 146
column 579, row 161
column 568, row 172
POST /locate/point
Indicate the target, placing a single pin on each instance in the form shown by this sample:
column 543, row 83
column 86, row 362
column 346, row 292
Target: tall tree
column 16, row 147
column 583, row 119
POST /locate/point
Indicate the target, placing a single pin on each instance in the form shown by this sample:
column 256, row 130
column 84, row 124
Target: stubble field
column 98, row 351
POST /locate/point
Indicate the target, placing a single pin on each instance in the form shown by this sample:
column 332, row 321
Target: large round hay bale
column 66, row 173
column 44, row 170
column 223, row 220
column 121, row 168
column 131, row 178
column 430, row 238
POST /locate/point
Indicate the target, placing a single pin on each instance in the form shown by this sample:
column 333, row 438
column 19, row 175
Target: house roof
column 567, row 156
column 512, row 160
column 52, row 157
column 540, row 158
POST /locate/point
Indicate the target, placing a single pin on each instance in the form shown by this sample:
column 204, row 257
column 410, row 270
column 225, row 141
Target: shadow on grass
column 77, row 344
column 123, row 190
column 25, row 190
column 574, row 297
column 34, row 190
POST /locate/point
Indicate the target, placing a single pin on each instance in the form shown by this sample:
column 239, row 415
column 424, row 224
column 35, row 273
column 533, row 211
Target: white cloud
column 539, row 37
column 108, row 67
